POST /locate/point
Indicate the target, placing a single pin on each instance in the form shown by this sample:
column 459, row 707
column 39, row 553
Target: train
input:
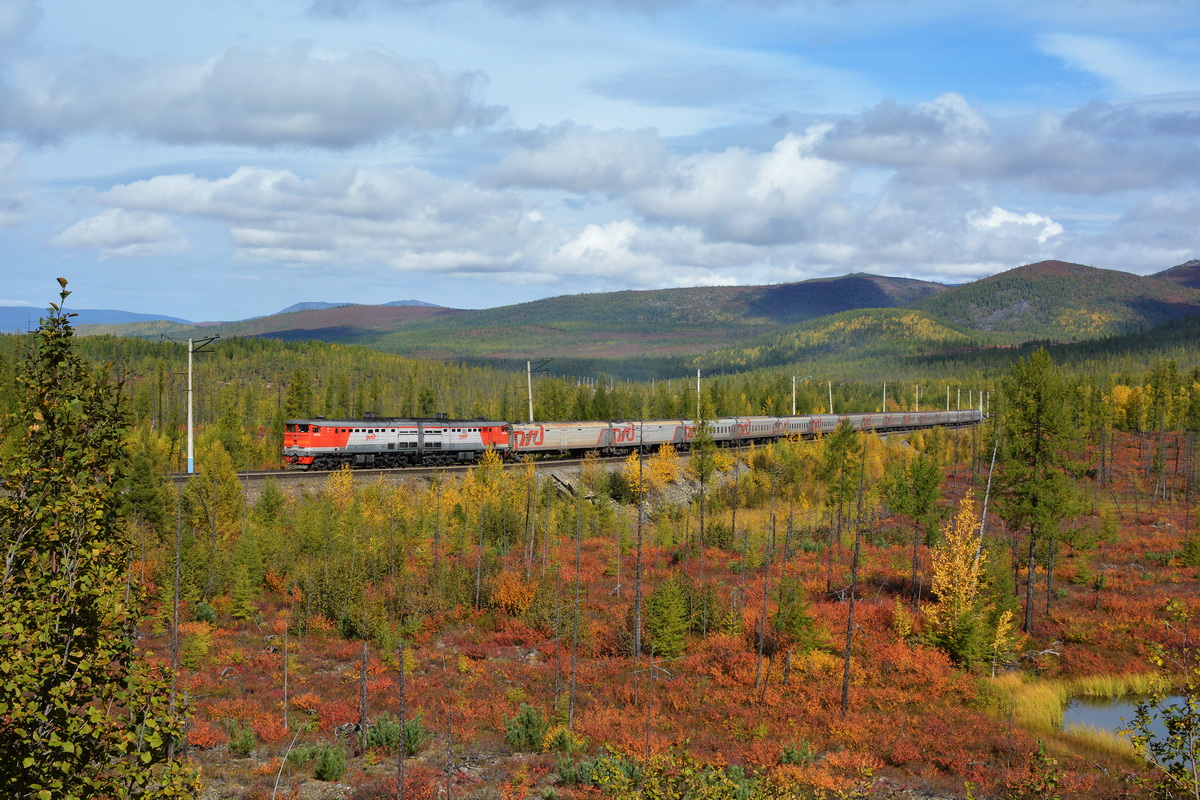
column 386, row 442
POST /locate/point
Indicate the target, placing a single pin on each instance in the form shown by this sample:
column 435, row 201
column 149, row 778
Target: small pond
column 1106, row 714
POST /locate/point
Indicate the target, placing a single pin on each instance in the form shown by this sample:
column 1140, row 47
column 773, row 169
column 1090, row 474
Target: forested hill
column 853, row 337
column 1062, row 301
column 667, row 322
column 1186, row 274
column 644, row 334
column 340, row 323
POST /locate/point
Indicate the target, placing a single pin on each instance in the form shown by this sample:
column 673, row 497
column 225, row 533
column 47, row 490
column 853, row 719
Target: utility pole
column 807, row 377
column 831, row 397
column 192, row 348
column 885, row 397
column 529, row 370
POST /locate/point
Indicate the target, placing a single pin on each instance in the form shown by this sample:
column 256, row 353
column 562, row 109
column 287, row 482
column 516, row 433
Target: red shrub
column 207, row 735
column 334, row 713
column 269, row 728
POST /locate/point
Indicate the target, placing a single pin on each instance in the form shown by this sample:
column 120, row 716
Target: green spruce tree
column 81, row 713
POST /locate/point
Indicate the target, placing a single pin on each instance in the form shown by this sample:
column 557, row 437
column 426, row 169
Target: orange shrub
column 207, row 735
column 421, row 782
column 305, row 702
column 223, row 605
column 268, row 767
column 319, row 626
column 269, row 728
column 511, row 593
column 276, row 582
column 334, row 713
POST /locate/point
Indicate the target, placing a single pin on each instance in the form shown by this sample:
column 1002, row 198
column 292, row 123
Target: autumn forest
column 848, row 616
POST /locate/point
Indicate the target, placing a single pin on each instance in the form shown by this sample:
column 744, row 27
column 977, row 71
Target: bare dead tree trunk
column 762, row 624
column 437, row 535
column 1029, row 585
column 175, row 617
column 619, row 526
column 362, row 700
column 400, row 756
column 527, row 550
column 700, row 569
column 557, row 636
column 449, row 755
column 392, row 542
column 916, row 587
column 479, row 556
column 286, row 655
column 575, row 621
column 853, row 592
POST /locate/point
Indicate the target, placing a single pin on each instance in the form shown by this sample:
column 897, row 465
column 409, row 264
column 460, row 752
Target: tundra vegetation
column 677, row 625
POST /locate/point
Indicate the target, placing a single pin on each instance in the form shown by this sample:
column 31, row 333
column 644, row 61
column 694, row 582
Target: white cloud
column 117, row 233
column 580, row 159
column 1099, row 148
column 784, row 195
column 294, row 95
column 1126, row 67
column 407, row 218
column 943, row 139
column 1009, row 223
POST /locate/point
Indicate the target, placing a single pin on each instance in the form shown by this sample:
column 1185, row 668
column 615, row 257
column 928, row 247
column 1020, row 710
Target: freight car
column 321, row 443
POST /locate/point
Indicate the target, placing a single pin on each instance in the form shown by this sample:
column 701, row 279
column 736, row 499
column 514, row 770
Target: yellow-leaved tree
column 636, row 477
column 340, row 485
column 963, row 622
column 957, row 567
column 663, row 467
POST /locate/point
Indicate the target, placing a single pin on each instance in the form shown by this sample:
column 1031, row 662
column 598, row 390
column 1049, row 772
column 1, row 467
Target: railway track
column 320, row 476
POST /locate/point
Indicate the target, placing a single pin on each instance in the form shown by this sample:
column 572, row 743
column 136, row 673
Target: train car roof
column 560, row 424
column 370, row 421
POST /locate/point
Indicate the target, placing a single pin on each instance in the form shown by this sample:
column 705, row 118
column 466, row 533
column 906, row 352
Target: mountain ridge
column 750, row 326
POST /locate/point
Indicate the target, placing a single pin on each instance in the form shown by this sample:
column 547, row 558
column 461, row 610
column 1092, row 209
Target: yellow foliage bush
column 195, row 640
column 340, row 485
column 663, row 467
column 635, row 476
column 511, row 593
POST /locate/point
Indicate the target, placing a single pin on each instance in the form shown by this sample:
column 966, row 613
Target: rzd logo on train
column 529, row 438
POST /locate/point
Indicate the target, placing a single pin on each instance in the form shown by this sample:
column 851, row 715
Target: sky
column 224, row 159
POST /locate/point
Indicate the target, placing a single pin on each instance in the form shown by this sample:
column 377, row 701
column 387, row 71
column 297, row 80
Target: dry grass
column 1038, row 705
column 1089, row 739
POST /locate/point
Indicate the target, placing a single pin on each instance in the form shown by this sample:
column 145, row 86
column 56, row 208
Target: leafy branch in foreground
column 82, row 714
column 1167, row 731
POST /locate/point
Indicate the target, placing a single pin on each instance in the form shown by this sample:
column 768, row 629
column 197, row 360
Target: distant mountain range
column 738, row 327
column 322, row 306
column 15, row 319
